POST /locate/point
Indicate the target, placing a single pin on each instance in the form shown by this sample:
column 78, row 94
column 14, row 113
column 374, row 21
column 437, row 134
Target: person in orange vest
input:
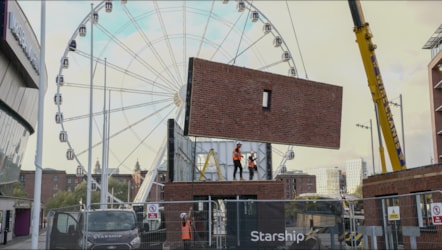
column 252, row 165
column 236, row 155
column 186, row 229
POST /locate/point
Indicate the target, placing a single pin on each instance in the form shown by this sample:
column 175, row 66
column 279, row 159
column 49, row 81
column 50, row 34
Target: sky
column 324, row 44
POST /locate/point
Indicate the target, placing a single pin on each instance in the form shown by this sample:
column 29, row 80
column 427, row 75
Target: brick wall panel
column 226, row 102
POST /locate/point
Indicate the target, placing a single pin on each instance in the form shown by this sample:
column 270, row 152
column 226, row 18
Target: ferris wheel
column 131, row 58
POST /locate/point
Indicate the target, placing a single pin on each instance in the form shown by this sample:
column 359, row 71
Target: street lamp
column 371, row 135
column 402, row 120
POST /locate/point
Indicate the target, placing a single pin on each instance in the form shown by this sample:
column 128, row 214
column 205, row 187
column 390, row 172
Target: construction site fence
column 411, row 221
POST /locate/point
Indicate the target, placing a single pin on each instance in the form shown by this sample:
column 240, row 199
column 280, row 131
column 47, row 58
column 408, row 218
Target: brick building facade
column 54, row 181
column 434, row 44
column 261, row 106
column 190, row 191
column 296, row 184
column 411, row 190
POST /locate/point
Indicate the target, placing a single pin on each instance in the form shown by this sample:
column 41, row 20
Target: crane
column 377, row 89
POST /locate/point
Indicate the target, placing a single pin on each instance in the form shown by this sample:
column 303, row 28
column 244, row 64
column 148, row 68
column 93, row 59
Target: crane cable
column 242, row 35
column 296, row 38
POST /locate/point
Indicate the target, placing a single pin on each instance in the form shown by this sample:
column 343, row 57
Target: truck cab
column 106, row 229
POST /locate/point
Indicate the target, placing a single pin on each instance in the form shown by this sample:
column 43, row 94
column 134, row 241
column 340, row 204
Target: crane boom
column 376, row 85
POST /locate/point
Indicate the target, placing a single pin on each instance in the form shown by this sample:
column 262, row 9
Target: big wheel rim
column 140, row 55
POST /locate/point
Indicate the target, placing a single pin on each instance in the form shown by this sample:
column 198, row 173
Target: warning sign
column 436, row 213
column 152, row 211
column 394, row 213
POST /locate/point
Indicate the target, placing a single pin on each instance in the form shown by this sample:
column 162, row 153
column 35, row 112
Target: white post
column 89, row 165
column 402, row 122
column 112, row 201
column 402, row 125
column 104, row 187
column 128, row 191
column 371, row 137
column 372, row 148
column 38, row 158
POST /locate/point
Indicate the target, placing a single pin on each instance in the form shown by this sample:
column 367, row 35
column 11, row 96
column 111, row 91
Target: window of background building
column 55, row 187
column 69, row 180
column 423, row 206
column 22, row 179
column 55, row 177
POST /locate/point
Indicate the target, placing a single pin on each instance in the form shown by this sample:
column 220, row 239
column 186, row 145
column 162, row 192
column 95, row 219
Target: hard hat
column 238, row 142
column 182, row 215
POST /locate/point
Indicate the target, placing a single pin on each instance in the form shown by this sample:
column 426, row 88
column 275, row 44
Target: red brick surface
column 226, row 102
column 435, row 77
column 185, row 191
column 415, row 180
column 188, row 191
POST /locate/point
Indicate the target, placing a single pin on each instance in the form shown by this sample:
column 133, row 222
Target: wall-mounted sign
column 394, row 213
column 436, row 213
column 152, row 211
column 20, row 36
column 19, row 43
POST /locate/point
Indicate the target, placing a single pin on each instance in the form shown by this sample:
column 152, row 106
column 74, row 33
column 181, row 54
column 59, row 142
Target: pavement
column 25, row 242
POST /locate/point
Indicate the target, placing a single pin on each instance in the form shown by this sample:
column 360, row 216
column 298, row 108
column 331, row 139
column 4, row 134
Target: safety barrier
column 391, row 222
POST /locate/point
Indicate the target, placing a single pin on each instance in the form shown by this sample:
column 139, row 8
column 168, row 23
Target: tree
column 18, row 190
column 81, row 194
column 119, row 188
column 73, row 198
column 68, row 198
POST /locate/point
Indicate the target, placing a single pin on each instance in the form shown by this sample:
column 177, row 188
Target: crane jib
column 388, row 113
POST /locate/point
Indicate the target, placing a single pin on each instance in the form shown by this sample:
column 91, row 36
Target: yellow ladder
column 215, row 158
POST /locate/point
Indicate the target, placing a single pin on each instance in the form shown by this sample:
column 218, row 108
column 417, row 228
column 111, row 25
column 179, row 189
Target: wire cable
column 296, row 38
column 242, row 35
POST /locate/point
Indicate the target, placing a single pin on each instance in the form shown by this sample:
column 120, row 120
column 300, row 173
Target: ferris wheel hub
column 180, row 97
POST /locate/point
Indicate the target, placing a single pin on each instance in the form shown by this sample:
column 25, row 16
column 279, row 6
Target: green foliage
column 358, row 192
column 69, row 198
column 119, row 188
column 18, row 190
column 79, row 195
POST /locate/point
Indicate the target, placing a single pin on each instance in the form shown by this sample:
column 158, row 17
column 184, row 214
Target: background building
column 19, row 91
column 355, row 171
column 19, row 74
column 297, row 183
column 434, row 44
column 54, row 181
column 327, row 180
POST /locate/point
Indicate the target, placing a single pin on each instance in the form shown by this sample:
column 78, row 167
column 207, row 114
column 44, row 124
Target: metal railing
column 391, row 222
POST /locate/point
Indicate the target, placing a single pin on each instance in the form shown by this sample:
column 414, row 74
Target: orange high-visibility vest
column 236, row 155
column 251, row 163
column 186, row 234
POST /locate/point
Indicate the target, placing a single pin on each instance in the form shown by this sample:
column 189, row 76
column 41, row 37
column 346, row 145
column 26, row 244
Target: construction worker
column 252, row 165
column 186, row 230
column 236, row 155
